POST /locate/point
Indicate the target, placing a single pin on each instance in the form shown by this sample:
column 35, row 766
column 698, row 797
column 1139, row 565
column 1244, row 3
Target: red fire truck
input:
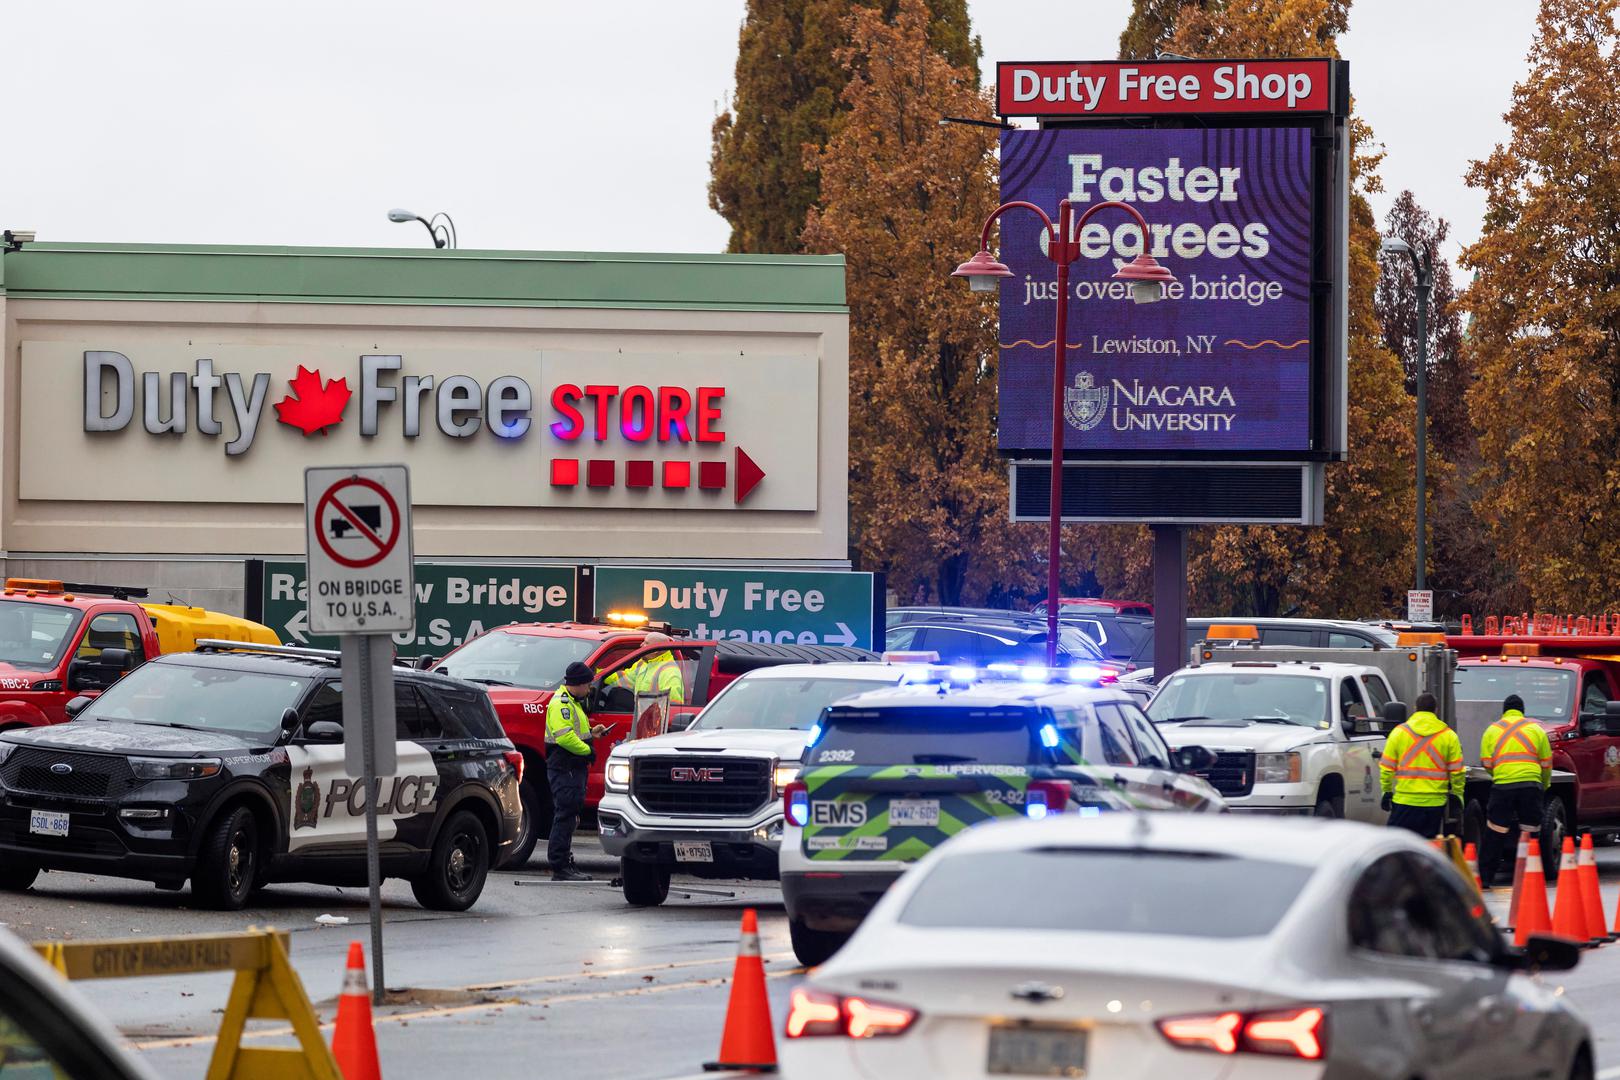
column 522, row 663
column 63, row 641
column 1567, row 670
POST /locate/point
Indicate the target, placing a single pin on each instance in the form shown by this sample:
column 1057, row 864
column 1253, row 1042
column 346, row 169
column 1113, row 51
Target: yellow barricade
column 266, row 988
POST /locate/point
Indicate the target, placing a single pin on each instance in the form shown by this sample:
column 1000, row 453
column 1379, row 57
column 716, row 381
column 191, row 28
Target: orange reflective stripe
column 1515, row 733
column 1442, row 770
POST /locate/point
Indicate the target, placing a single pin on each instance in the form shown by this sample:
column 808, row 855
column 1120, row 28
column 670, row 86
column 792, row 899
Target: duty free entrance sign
column 787, row 607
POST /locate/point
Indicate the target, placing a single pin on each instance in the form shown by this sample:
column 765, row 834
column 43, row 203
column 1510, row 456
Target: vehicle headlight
column 618, row 775
column 785, row 775
column 157, row 768
column 1277, row 768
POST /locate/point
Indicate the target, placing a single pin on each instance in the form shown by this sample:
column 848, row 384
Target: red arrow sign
column 748, row 475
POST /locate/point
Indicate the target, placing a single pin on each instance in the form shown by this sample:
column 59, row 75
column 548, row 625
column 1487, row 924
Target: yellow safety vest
column 1422, row 763
column 567, row 726
column 1517, row 751
column 653, row 673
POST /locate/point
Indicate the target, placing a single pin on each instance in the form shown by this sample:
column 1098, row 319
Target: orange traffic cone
column 1518, row 878
column 1569, row 907
column 1471, row 857
column 1532, row 916
column 748, row 1043
column 1591, row 895
column 354, row 1043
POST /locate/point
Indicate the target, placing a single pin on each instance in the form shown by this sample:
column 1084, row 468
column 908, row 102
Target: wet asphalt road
column 548, row 979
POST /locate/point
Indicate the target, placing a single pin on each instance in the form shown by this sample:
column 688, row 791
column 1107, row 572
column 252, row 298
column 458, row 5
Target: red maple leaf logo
column 311, row 407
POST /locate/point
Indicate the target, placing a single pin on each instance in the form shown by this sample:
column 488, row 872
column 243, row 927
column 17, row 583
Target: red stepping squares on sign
column 675, row 475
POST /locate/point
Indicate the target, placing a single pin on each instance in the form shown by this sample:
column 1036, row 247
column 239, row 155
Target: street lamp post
column 443, row 233
column 1147, row 280
column 1423, row 267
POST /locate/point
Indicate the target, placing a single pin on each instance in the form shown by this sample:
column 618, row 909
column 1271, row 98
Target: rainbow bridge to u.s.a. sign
column 1223, row 364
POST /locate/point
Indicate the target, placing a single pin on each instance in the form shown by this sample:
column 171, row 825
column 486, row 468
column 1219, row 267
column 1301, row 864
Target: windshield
column 34, row 636
column 1241, row 695
column 1548, row 693
column 206, row 698
column 502, row 658
column 777, row 704
column 926, row 736
column 1107, row 891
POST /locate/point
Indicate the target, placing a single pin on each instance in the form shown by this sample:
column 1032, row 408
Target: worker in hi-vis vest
column 568, row 765
column 1519, row 755
column 1422, row 771
column 654, row 672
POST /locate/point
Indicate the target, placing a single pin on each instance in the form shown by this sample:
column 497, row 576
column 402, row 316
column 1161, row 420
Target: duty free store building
column 160, row 405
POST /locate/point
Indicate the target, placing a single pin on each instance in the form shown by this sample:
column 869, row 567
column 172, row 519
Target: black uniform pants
column 566, row 773
column 1510, row 808
column 1426, row 821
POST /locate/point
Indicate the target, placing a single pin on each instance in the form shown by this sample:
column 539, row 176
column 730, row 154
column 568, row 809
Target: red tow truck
column 1567, row 670
column 521, row 664
column 60, row 641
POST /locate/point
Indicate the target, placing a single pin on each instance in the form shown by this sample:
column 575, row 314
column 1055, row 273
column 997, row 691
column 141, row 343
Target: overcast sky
column 543, row 124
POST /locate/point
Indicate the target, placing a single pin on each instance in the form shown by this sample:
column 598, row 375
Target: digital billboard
column 1223, row 366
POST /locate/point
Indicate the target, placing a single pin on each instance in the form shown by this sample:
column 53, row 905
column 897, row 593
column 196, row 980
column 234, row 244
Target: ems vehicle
column 521, row 665
column 707, row 801
column 891, row 774
column 226, row 767
column 1199, row 948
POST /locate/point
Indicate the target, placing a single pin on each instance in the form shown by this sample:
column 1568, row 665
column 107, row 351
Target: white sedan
column 1143, row 945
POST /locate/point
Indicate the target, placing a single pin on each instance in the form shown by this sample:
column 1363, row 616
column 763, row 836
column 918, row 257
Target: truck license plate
column 914, row 812
column 47, row 823
column 694, row 851
column 1021, row 1050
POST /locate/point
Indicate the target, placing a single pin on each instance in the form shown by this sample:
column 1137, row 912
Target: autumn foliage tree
column 1545, row 307
column 1358, row 563
column 903, row 197
column 789, row 94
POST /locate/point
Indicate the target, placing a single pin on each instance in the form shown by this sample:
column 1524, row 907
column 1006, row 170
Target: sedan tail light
column 1298, row 1032
column 514, row 758
column 796, row 804
column 812, row 1013
column 1045, row 797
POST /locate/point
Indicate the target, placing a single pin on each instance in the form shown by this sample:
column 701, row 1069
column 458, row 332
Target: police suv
column 226, row 766
column 891, row 774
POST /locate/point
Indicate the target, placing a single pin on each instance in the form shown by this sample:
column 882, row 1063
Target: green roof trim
column 550, row 279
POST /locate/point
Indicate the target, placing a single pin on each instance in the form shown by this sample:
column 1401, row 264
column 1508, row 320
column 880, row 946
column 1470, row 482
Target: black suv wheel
column 228, row 864
column 813, row 947
column 458, row 866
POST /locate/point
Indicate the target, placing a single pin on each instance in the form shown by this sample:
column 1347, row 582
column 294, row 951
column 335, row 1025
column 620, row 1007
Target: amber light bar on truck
column 66, row 589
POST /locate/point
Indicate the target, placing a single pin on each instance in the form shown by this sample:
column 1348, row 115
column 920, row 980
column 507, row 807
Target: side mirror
column 289, row 719
column 76, row 706
column 1395, row 714
column 1594, row 723
column 424, row 663
column 324, row 731
column 1543, row 954
column 1611, row 717
column 118, row 659
column 1194, row 759
column 681, row 721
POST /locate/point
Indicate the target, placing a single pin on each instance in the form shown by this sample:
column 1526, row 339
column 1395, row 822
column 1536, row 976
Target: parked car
column 1197, row 947
column 1079, row 604
column 981, row 642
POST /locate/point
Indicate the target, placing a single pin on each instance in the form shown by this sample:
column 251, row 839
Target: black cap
column 1513, row 702
column 578, row 674
column 1425, row 702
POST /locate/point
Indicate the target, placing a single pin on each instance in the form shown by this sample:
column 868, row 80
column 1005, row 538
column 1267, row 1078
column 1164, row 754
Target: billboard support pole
column 1054, row 538
column 1169, row 599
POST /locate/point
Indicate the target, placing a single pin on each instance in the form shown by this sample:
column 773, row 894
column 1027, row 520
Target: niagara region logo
column 1085, row 404
column 313, row 405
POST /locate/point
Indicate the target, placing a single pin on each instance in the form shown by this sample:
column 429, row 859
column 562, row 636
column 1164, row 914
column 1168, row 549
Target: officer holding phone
column 568, row 764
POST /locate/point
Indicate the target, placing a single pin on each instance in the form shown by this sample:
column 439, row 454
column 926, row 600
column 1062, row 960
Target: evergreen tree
column 788, row 96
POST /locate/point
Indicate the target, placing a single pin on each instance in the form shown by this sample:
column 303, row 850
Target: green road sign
column 454, row 602
column 803, row 607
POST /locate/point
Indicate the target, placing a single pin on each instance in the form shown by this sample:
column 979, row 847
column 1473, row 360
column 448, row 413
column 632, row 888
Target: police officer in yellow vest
column 568, row 764
column 1519, row 755
column 654, row 672
column 1421, row 771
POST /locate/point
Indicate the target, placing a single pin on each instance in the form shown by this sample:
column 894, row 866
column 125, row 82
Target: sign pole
column 363, row 644
column 1169, row 600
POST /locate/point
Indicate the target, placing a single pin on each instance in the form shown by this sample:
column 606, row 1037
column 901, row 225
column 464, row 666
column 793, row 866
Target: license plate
column 914, row 812
column 1019, row 1050
column 47, row 823
column 694, row 851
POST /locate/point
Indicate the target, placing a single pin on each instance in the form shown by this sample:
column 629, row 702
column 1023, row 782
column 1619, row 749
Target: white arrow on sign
column 298, row 624
column 845, row 636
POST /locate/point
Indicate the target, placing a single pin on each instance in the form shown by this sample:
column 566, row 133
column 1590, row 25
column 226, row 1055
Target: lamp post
column 1147, row 280
column 444, row 233
column 1423, row 267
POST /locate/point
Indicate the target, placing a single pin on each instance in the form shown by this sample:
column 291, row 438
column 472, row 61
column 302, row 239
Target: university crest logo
column 1085, row 404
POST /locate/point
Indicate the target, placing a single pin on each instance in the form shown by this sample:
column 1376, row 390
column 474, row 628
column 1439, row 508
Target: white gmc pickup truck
column 707, row 801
